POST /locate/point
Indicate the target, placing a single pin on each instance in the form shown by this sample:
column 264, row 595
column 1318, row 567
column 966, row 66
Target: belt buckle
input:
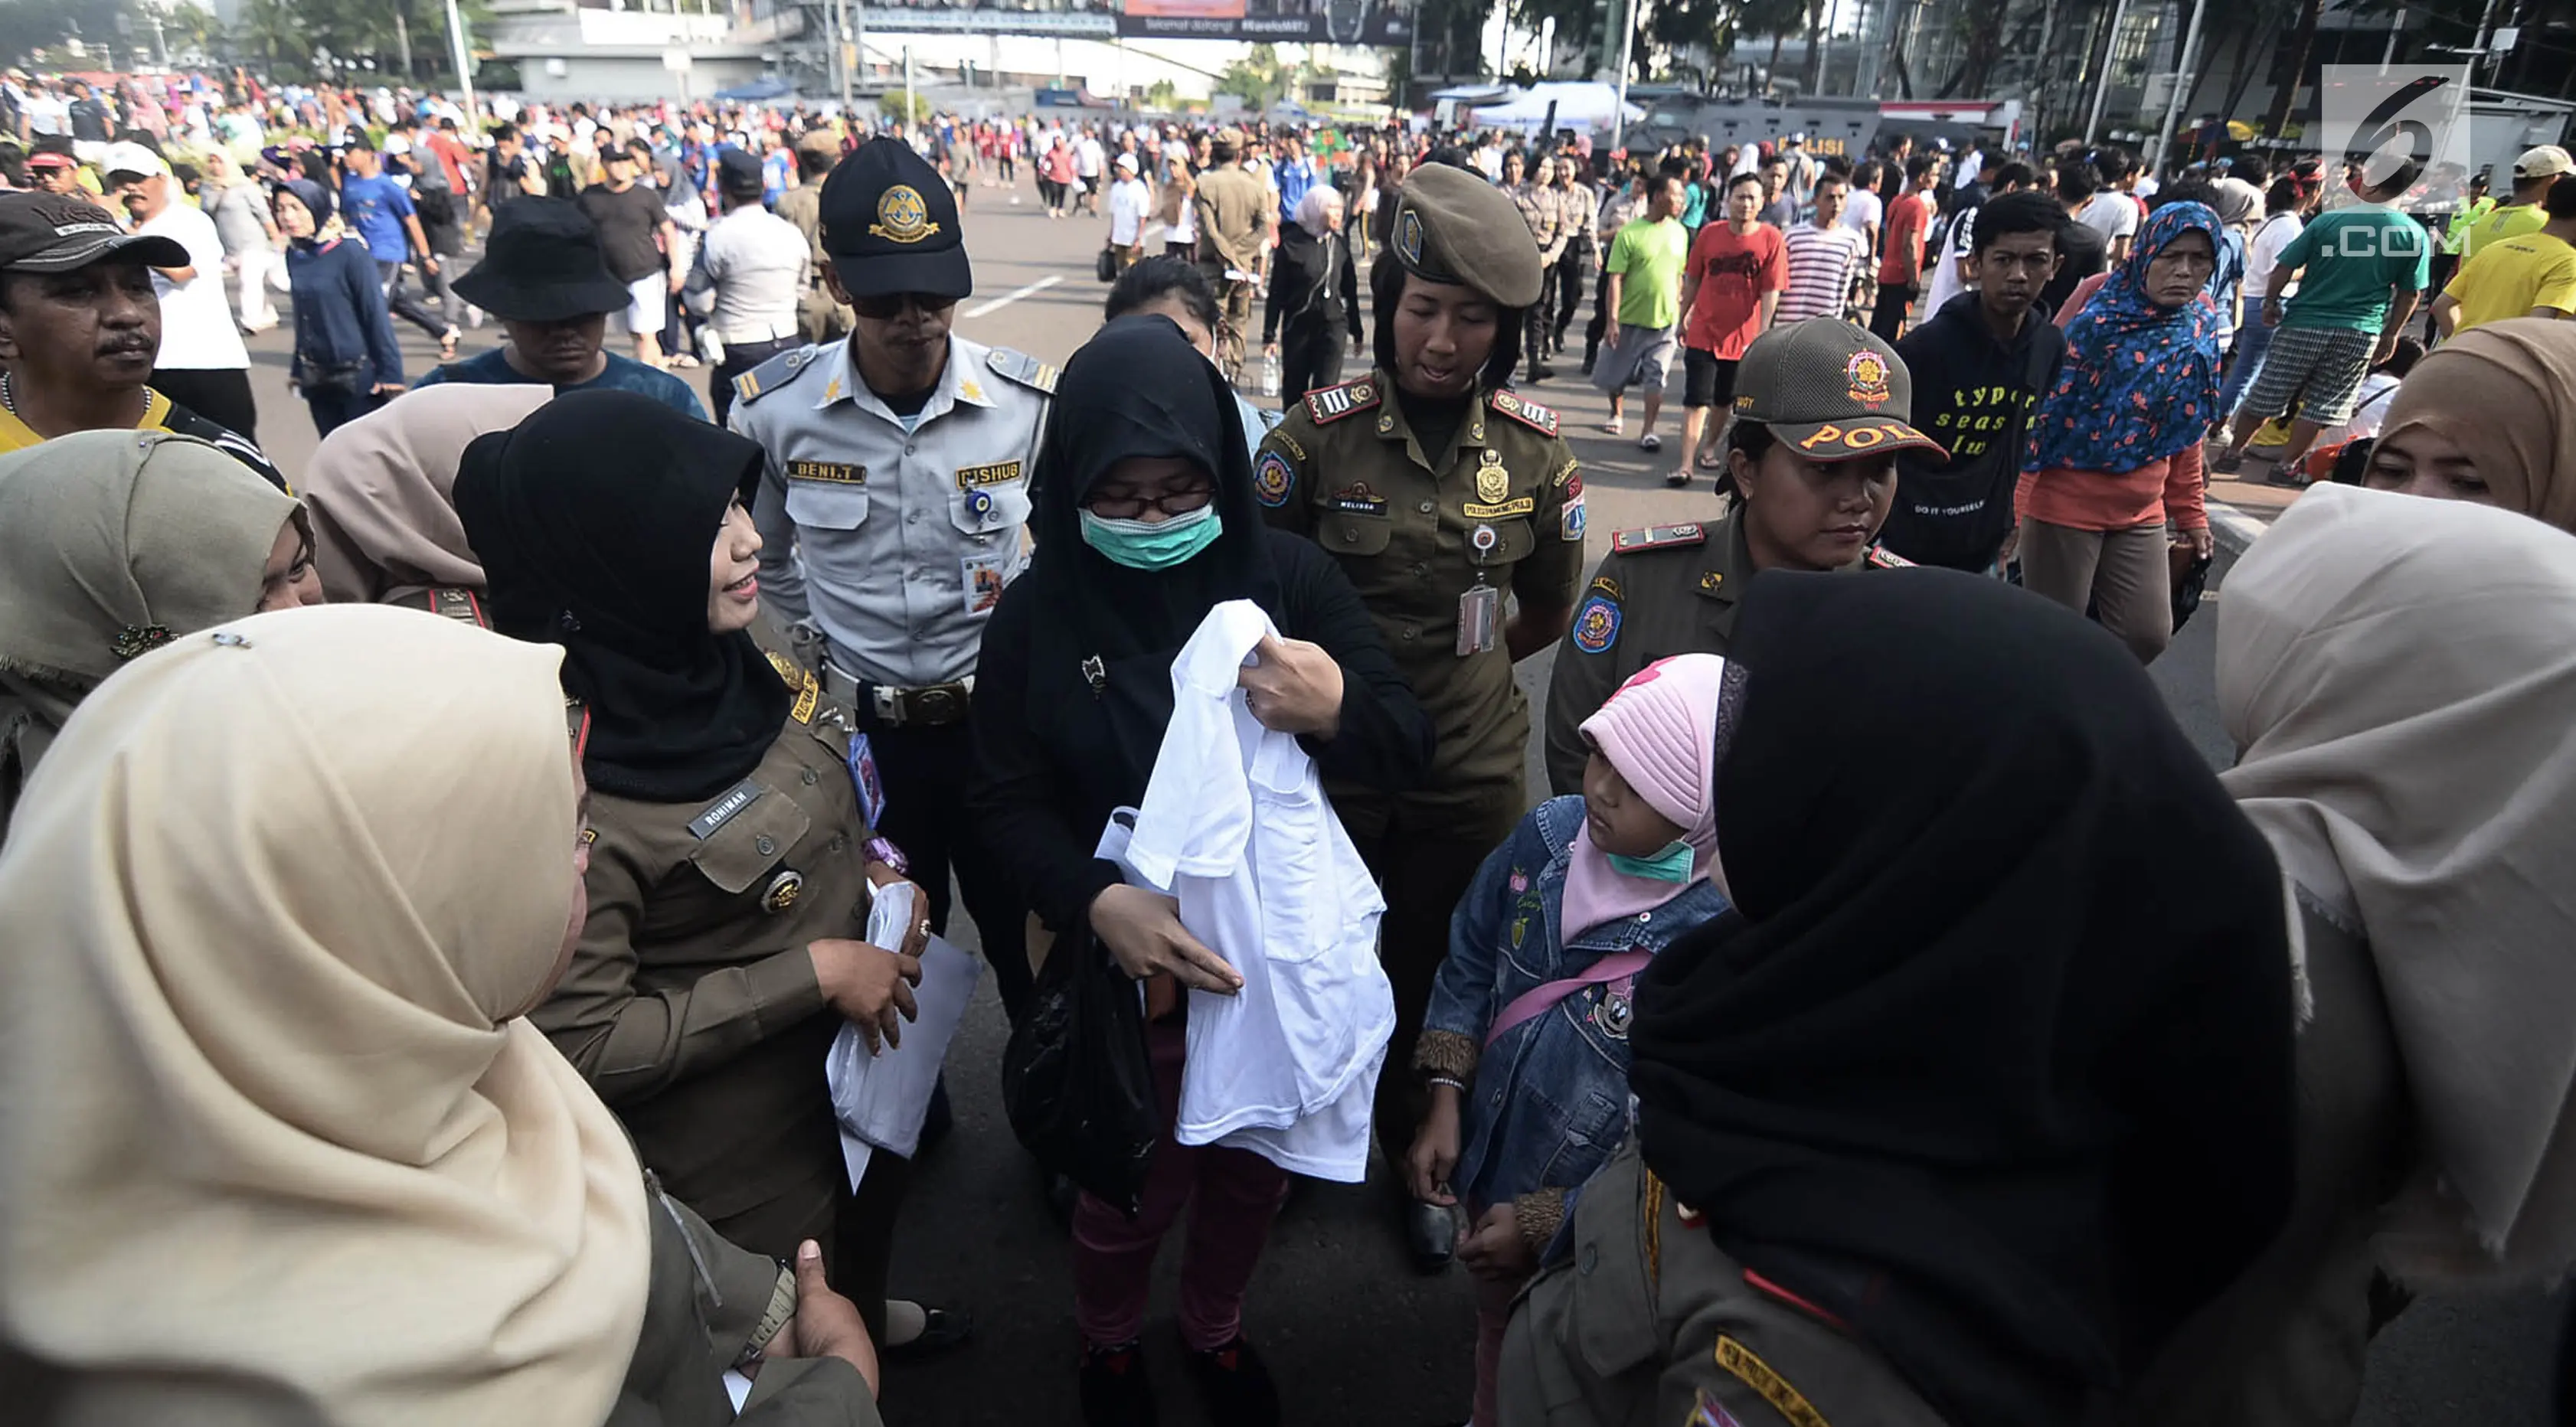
column 888, row 703
column 937, row 704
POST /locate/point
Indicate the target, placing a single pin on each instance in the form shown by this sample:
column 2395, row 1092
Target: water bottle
column 1270, row 374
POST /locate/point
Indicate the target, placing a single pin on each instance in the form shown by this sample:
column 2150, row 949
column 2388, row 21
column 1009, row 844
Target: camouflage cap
column 1830, row 390
column 1452, row 226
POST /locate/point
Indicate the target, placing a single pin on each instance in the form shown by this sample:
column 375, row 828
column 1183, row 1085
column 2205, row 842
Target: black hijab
column 1992, row 1061
column 1137, row 388
column 595, row 519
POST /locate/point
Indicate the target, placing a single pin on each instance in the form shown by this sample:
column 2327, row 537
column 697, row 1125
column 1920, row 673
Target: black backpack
column 432, row 198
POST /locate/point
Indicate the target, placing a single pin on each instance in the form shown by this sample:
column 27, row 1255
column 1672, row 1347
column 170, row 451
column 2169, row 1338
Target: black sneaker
column 1114, row 1390
column 1235, row 1386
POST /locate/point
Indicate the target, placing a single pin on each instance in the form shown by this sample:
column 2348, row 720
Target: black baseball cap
column 58, row 232
column 890, row 225
column 738, row 172
column 1831, row 390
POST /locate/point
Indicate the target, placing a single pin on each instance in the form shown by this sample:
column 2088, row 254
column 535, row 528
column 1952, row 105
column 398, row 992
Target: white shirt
column 1129, row 203
column 2269, row 240
column 1087, row 156
column 1235, row 825
column 197, row 331
column 2111, row 213
column 47, row 114
column 1861, row 211
column 1945, row 282
column 758, row 265
column 1971, row 163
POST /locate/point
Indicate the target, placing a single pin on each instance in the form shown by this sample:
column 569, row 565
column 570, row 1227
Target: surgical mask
column 1673, row 864
column 1153, row 545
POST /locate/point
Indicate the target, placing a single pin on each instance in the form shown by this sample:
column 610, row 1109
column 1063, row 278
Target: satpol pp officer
column 892, row 502
column 1821, row 409
column 1440, row 491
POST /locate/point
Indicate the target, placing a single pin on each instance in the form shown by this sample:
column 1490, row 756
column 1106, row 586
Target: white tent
column 1583, row 106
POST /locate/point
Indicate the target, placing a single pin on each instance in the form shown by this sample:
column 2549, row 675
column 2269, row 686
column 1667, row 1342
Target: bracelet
column 1453, row 1082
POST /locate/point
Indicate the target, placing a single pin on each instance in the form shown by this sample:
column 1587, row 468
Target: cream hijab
column 2401, row 677
column 384, row 523
column 277, row 1129
column 2505, row 393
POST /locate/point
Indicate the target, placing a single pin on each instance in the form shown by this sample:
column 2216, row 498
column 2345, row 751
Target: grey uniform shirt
column 758, row 265
column 894, row 543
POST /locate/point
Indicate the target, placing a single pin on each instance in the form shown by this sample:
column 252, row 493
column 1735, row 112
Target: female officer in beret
column 1440, row 492
column 731, row 865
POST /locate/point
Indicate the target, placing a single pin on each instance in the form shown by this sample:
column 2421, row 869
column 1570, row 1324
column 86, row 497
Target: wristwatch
column 880, row 850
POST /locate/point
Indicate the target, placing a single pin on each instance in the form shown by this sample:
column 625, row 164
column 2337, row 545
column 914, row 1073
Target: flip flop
column 1650, row 442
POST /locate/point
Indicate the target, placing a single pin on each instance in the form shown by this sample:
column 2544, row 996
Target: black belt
column 898, row 706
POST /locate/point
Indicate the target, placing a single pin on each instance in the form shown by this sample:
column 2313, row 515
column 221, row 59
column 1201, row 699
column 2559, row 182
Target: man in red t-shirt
column 1730, row 287
column 1900, row 265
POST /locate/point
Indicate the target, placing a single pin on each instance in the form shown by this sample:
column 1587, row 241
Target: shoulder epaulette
column 1659, row 537
column 777, row 372
column 460, row 605
column 1879, row 557
column 1335, row 402
column 1525, row 411
column 1020, row 367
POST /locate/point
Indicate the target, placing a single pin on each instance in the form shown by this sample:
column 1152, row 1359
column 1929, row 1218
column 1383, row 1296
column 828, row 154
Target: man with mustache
column 545, row 276
column 80, row 328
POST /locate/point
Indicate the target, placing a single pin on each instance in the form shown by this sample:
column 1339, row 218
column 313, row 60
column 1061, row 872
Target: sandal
column 1707, row 460
column 1650, row 442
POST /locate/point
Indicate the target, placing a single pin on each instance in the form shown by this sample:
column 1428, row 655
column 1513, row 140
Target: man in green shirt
column 1645, row 276
column 2533, row 173
column 2366, row 267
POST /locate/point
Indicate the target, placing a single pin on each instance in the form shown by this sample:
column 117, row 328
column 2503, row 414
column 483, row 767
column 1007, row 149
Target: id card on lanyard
column 863, row 777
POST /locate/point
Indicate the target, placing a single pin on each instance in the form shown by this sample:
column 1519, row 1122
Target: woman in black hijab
column 1145, row 521
column 727, row 850
column 1986, row 1079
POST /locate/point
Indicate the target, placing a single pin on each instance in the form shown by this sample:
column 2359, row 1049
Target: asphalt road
column 1353, row 1336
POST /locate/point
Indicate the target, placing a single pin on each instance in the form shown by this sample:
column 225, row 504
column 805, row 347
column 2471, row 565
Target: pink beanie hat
column 1660, row 731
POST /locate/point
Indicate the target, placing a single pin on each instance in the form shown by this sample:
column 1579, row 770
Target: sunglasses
column 888, row 306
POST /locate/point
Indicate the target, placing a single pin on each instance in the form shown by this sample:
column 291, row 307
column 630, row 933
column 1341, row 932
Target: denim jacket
column 1548, row 1103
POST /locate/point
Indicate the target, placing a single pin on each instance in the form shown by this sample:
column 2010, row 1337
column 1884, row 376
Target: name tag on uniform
column 1502, row 510
column 837, row 472
column 976, row 477
column 723, row 810
column 1359, row 499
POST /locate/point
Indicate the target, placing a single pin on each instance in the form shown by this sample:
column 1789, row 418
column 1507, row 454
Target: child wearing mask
column 1525, row 1048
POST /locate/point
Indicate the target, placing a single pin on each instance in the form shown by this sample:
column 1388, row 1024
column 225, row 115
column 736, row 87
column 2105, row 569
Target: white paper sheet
column 882, row 1099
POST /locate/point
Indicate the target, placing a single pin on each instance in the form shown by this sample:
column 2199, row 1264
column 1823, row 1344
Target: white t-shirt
column 1861, row 211
column 197, row 331
column 1130, row 202
column 2269, row 240
column 2112, row 214
column 1956, row 245
column 1234, row 825
column 1087, row 156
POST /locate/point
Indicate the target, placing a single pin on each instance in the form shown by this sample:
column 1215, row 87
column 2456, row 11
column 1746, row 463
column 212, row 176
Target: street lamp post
column 464, row 67
column 2102, row 81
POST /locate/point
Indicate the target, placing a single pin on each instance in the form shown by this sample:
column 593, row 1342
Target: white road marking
column 1014, row 295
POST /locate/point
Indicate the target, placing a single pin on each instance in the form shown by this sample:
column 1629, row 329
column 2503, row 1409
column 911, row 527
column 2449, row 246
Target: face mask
column 1141, row 545
column 1673, row 864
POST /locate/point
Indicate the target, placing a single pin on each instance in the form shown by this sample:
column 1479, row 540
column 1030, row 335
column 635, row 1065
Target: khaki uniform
column 818, row 317
column 1648, row 1324
column 691, row 1003
column 1233, row 211
column 1544, row 211
column 1501, row 505
column 1661, row 591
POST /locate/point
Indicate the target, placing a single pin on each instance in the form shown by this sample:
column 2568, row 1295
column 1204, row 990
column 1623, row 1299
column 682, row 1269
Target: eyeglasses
column 1126, row 507
column 888, row 306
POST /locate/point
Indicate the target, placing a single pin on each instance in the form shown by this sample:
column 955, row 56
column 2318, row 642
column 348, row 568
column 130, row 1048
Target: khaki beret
column 1230, row 136
column 1452, row 226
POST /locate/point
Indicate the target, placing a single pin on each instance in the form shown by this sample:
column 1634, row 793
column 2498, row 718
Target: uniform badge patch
column 974, row 477
column 1492, row 481
column 809, row 690
column 1757, row 1374
column 1569, row 521
column 902, row 216
column 1608, row 586
column 1867, row 374
column 837, row 472
column 1525, row 411
column 1408, row 236
column 1335, row 402
column 1596, row 625
column 783, row 891
column 1710, row 581
column 1711, row 1413
column 1272, row 479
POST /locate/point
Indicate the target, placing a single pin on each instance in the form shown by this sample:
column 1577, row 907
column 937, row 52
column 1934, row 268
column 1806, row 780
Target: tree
column 1162, row 94
column 273, row 31
column 1776, row 18
column 1708, row 25
column 1258, row 79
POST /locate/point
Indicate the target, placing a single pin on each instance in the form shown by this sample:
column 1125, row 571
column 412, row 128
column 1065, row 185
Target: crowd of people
column 467, row 856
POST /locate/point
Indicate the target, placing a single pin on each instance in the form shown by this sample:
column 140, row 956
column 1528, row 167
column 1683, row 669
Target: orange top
column 2168, row 488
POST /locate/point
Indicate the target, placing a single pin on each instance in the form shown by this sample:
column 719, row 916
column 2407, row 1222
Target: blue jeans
column 2253, row 339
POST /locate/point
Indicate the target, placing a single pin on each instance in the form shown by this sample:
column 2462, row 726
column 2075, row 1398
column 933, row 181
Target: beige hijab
column 275, row 1118
column 384, row 525
column 2400, row 674
column 2506, row 394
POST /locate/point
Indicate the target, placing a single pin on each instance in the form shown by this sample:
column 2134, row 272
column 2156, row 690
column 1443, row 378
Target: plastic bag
column 1075, row 1081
